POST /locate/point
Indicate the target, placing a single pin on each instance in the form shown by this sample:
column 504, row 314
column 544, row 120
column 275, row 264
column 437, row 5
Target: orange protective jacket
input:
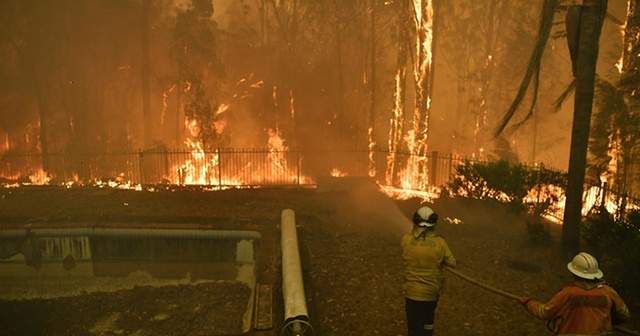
column 582, row 308
column 424, row 254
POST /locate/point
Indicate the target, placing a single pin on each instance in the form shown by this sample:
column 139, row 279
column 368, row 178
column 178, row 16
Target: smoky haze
column 72, row 79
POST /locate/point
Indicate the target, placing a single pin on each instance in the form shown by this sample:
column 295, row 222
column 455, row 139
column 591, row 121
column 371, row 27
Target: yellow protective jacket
column 424, row 254
column 582, row 308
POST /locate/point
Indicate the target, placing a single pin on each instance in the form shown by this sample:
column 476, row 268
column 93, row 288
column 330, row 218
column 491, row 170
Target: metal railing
column 617, row 202
column 222, row 168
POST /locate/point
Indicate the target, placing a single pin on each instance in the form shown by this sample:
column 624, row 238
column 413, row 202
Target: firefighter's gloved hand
column 524, row 300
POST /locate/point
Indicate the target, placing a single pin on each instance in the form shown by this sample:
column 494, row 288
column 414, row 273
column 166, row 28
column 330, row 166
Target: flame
column 395, row 129
column 424, row 38
column 335, row 172
column 276, row 151
column 40, row 177
column 628, row 48
column 405, row 194
column 291, row 105
column 614, row 152
column 619, row 64
column 220, row 124
column 372, row 146
column 118, row 183
column 221, row 109
column 195, row 170
column 37, row 177
column 415, row 174
column 274, row 95
column 165, row 106
column 192, row 126
column 454, row 221
column 203, row 167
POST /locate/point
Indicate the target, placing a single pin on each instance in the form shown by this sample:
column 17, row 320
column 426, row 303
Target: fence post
column 140, row 164
column 298, row 165
column 434, row 168
column 538, row 182
column 622, row 206
column 64, row 167
column 219, row 168
column 451, row 173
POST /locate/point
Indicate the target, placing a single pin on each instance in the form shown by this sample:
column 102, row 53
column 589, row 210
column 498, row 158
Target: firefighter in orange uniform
column 424, row 255
column 588, row 306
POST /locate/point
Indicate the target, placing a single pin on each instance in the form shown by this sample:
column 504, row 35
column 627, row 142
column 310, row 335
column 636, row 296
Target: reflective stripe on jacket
column 424, row 254
column 582, row 308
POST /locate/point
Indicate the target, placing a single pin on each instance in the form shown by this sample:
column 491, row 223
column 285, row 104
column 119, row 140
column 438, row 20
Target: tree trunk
column 340, row 120
column 146, row 91
column 485, row 82
column 396, row 129
column 372, row 80
column 43, row 113
column 591, row 19
column 422, row 73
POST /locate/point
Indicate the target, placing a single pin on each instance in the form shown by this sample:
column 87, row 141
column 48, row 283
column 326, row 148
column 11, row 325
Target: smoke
column 171, row 8
column 368, row 207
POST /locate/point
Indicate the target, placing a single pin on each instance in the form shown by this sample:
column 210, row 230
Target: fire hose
column 515, row 297
column 295, row 303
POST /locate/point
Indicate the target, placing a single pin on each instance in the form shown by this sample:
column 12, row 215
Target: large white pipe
column 295, row 303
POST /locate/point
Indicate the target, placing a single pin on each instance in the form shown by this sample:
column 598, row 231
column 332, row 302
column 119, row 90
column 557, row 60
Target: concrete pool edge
column 246, row 252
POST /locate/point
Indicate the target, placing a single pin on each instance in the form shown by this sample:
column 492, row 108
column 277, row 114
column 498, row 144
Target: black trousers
column 421, row 317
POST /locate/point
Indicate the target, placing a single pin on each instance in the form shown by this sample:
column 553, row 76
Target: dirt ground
column 349, row 245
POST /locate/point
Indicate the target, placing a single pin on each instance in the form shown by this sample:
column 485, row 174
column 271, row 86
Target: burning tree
column 198, row 70
column 415, row 53
column 615, row 144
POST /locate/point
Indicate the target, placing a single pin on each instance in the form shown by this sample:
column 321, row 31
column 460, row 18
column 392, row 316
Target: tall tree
column 591, row 19
column 373, row 45
column 472, row 64
column 422, row 69
column 199, row 70
column 24, row 27
column 396, row 129
column 629, row 78
column 615, row 130
column 592, row 13
column 145, row 10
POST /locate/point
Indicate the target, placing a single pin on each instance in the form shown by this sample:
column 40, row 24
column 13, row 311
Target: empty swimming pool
column 179, row 272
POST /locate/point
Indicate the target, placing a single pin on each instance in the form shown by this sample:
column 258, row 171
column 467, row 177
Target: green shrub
column 506, row 182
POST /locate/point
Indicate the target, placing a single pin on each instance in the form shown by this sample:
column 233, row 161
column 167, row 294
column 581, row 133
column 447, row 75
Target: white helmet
column 585, row 266
column 425, row 217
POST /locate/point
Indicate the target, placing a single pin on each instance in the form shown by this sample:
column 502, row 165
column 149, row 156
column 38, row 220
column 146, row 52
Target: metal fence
column 223, row 168
column 220, row 167
column 617, row 202
column 391, row 169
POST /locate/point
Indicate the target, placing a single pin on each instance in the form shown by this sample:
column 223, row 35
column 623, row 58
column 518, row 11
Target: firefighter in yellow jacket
column 588, row 306
column 424, row 255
